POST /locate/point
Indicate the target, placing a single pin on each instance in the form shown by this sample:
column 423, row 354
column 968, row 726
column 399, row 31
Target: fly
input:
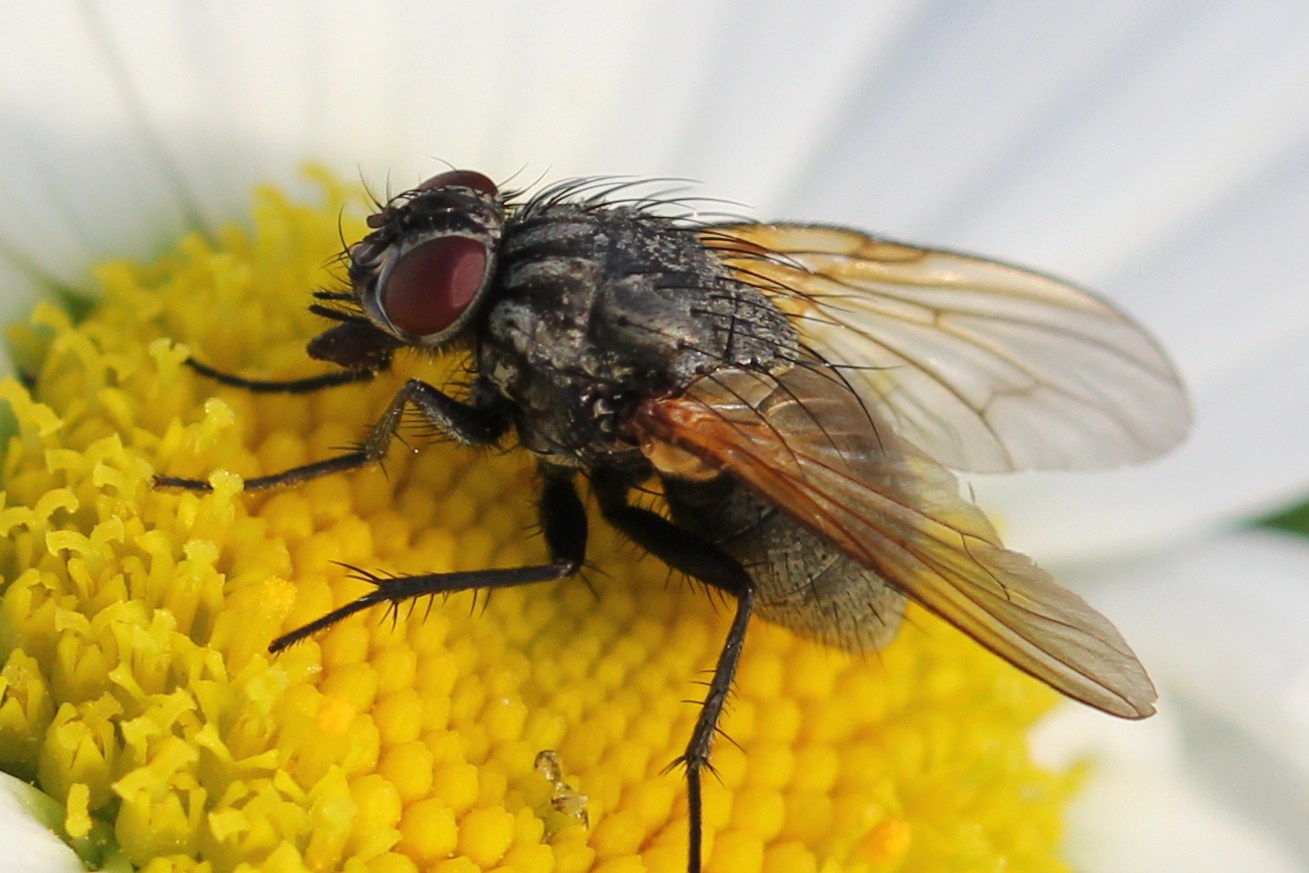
column 801, row 391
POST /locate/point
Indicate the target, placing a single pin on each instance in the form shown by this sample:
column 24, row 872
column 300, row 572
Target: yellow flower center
column 137, row 689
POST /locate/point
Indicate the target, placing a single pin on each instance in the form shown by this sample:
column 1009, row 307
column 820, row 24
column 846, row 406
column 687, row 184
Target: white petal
column 29, row 846
column 1223, row 625
column 80, row 180
column 1142, row 811
column 1174, row 119
column 942, row 111
column 747, row 94
column 1221, row 778
column 1078, row 138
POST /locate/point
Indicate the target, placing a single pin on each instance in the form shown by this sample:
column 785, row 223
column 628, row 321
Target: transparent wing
column 806, row 443
column 982, row 365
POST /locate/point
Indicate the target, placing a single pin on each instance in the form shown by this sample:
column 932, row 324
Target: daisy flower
column 1157, row 156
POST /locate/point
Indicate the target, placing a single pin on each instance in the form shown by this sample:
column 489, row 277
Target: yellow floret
column 138, row 691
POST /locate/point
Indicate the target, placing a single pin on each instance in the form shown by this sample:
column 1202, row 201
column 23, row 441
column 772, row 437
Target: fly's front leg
column 361, row 349
column 282, row 386
column 563, row 522
column 694, row 555
column 465, row 423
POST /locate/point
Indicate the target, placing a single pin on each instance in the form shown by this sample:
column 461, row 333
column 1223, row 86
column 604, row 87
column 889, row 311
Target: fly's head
column 423, row 272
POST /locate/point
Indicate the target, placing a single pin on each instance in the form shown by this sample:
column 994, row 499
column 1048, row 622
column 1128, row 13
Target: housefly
column 801, row 391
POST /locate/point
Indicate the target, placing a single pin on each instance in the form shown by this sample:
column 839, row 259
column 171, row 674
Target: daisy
column 1156, row 156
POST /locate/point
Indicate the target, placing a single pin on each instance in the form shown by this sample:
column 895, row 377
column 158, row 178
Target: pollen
column 137, row 690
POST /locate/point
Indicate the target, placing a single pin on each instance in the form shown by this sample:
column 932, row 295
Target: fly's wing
column 982, row 365
column 803, row 441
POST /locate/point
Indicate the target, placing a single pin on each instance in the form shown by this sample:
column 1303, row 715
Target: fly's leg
column 691, row 554
column 359, row 348
column 465, row 423
column 696, row 755
column 563, row 523
column 280, row 386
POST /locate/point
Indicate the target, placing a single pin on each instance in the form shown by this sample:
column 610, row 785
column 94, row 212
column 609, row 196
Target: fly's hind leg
column 463, row 422
column 691, row 554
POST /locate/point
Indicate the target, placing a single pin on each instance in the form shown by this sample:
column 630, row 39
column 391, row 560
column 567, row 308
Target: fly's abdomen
column 816, row 591
column 804, row 583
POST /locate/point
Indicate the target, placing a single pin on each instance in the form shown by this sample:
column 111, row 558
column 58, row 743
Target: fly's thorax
column 596, row 308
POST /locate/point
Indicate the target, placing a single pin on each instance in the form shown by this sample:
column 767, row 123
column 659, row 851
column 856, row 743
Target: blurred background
column 1155, row 150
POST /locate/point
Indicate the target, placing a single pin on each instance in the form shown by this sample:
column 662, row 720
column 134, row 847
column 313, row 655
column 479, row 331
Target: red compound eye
column 433, row 283
column 461, row 179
